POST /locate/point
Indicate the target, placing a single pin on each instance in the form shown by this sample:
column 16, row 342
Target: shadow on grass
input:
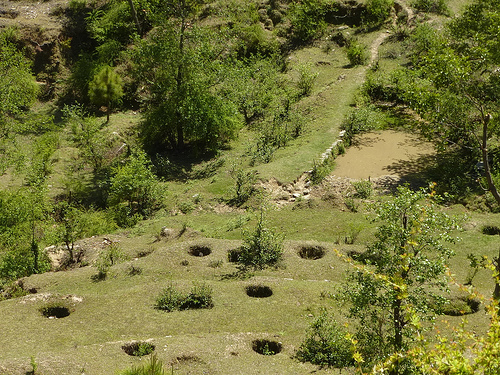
column 242, row 273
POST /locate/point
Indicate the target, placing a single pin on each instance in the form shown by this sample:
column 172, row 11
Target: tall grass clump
column 153, row 367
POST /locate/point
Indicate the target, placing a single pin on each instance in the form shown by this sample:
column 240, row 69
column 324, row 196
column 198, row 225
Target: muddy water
column 386, row 153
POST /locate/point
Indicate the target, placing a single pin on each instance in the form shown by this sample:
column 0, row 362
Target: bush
column 357, row 53
column 431, row 6
column 107, row 258
column 361, row 120
column 243, row 185
column 138, row 348
column 377, row 12
column 306, row 80
column 171, row 299
column 326, row 344
column 364, row 188
column 135, row 185
column 307, row 20
column 322, row 169
column 261, row 249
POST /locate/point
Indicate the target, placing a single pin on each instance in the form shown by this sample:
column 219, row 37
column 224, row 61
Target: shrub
column 322, row 169
column 243, row 185
column 171, row 299
column 361, row 120
column 135, row 185
column 307, row 20
column 364, row 188
column 431, row 6
column 261, row 249
column 107, row 258
column 326, row 344
column 200, row 297
column 357, row 53
column 377, row 12
column 138, row 348
column 306, row 79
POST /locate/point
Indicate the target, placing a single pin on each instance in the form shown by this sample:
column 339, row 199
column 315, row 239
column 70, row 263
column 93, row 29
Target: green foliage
column 276, row 131
column 243, row 185
column 108, row 257
column 307, row 19
column 134, row 184
column 39, row 161
column 377, row 12
column 111, row 23
column 153, row 367
column 143, row 348
column 78, row 222
column 106, row 88
column 34, row 365
column 460, row 352
column 92, row 142
column 326, row 344
column 431, row 6
column 306, row 79
column 364, row 188
column 18, row 88
column 407, row 263
column 256, row 85
column 357, row 53
column 262, row 248
column 182, row 105
column 171, row 299
column 322, row 169
column 82, row 73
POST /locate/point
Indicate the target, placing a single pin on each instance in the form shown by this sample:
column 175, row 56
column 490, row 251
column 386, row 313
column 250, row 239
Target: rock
column 167, row 232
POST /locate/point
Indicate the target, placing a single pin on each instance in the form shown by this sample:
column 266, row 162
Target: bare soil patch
column 385, row 154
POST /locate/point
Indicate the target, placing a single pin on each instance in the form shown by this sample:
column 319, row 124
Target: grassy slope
column 216, row 341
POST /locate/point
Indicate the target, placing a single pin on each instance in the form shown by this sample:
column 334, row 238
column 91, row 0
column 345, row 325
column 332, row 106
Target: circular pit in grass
column 138, row 348
column 259, row 291
column 57, row 312
column 199, row 251
column 459, row 306
column 312, row 252
column 266, row 347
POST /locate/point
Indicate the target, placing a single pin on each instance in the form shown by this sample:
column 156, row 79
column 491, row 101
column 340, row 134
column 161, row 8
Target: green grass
column 120, row 309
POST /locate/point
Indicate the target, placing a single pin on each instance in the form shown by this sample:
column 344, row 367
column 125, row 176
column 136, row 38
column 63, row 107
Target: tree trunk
column 134, row 16
column 108, row 111
column 180, row 83
column 487, row 170
column 496, row 292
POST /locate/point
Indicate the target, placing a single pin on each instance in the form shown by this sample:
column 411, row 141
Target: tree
column 327, row 344
column 462, row 352
column 106, row 88
column 178, row 66
column 135, row 185
column 458, row 87
column 403, row 267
